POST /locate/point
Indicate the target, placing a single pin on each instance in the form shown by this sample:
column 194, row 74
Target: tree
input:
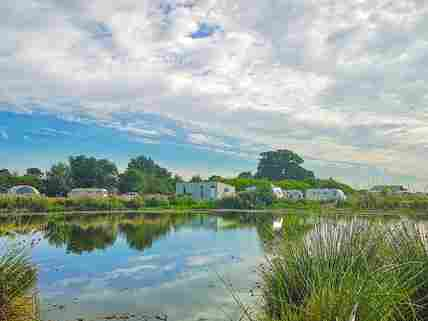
column 196, row 179
column 331, row 183
column 33, row 171
column 156, row 178
column 107, row 174
column 148, row 166
column 177, row 179
column 58, row 180
column 91, row 172
column 216, row 178
column 282, row 164
column 247, row 175
column 5, row 172
column 132, row 181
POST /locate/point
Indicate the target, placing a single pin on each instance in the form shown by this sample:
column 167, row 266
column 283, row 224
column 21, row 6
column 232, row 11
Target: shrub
column 135, row 203
column 182, row 201
column 17, row 277
column 157, row 202
column 349, row 271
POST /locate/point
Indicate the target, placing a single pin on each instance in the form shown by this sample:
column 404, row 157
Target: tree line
column 143, row 175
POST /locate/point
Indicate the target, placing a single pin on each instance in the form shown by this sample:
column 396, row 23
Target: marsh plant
column 18, row 277
column 346, row 272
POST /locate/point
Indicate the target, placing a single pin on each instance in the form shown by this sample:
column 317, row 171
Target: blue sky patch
column 205, row 30
column 40, row 140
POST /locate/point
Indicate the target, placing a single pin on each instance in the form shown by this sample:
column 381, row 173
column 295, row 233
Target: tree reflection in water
column 86, row 233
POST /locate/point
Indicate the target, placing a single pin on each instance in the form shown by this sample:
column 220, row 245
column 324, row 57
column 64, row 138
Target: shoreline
column 282, row 211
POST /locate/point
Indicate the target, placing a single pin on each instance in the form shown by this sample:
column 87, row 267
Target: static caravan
column 23, row 190
column 325, row 194
column 294, row 194
column 205, row 190
column 88, row 192
column 277, row 191
column 389, row 189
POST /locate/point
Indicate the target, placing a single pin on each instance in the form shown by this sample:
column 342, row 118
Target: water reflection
column 77, row 239
column 85, row 234
column 101, row 265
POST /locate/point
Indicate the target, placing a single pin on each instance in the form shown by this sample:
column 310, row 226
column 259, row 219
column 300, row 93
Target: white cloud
column 129, row 271
column 341, row 80
column 205, row 140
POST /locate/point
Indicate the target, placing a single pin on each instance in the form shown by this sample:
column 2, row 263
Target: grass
column 45, row 204
column 18, row 277
column 10, row 204
column 383, row 201
column 347, row 272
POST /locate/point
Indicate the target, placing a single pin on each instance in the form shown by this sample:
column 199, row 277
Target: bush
column 157, row 202
column 182, row 201
column 372, row 201
column 300, row 204
column 135, row 203
column 350, row 271
column 261, row 198
column 17, row 277
column 43, row 204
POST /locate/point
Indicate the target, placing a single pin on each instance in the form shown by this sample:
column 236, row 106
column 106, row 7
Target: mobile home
column 23, row 190
column 277, row 191
column 389, row 189
column 88, row 192
column 205, row 190
column 294, row 194
column 325, row 194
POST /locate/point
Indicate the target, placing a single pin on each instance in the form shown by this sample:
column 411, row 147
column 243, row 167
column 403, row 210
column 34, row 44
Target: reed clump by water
column 17, row 278
column 348, row 272
column 385, row 201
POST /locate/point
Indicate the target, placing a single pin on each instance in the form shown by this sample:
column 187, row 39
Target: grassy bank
column 10, row 204
column 380, row 201
column 348, row 271
column 243, row 201
column 17, row 278
column 45, row 204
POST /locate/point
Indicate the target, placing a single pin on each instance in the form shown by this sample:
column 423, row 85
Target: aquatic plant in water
column 17, row 278
column 349, row 271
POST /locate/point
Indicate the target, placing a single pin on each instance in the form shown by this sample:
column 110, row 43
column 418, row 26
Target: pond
column 156, row 266
column 143, row 267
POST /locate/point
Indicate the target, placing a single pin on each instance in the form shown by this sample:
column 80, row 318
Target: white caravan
column 294, row 194
column 325, row 194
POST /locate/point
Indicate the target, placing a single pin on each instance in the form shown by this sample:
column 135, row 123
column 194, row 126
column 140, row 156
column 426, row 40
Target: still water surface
column 144, row 266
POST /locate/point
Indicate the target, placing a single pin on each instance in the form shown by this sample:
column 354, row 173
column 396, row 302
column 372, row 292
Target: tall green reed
column 18, row 277
column 348, row 271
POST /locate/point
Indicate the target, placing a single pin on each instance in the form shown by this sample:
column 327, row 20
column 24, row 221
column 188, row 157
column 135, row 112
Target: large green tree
column 148, row 166
column 92, row 172
column 153, row 177
column 282, row 164
column 58, row 180
column 196, row 179
column 5, row 172
column 34, row 171
column 132, row 181
column 247, row 175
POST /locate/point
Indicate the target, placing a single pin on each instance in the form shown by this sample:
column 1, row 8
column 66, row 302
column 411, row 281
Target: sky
column 204, row 86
